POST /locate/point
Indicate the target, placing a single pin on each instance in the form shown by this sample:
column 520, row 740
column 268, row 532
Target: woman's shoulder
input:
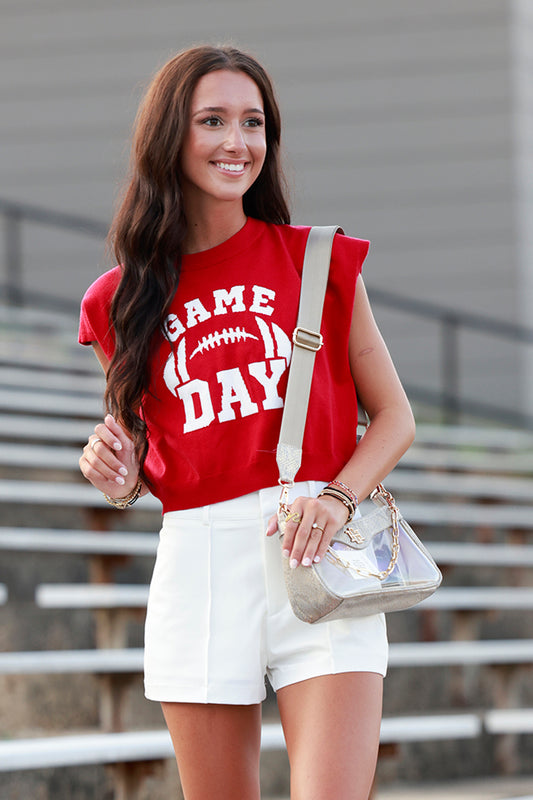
column 301, row 232
column 104, row 287
column 345, row 247
column 350, row 247
column 296, row 234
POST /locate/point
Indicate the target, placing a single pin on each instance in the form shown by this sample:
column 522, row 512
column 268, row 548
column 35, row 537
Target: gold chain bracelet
column 338, row 494
column 125, row 502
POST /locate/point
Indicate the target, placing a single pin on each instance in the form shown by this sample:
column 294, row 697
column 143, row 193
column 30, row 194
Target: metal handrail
column 57, row 219
column 451, row 321
column 432, row 310
column 15, row 214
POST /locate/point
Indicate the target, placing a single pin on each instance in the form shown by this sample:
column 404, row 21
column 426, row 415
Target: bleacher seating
column 466, row 489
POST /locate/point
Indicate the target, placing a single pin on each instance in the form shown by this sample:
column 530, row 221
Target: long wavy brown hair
column 149, row 227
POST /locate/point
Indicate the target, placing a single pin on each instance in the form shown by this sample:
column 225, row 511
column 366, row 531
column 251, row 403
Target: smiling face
column 225, row 145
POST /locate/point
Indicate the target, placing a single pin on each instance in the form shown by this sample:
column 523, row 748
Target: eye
column 212, row 122
column 254, row 122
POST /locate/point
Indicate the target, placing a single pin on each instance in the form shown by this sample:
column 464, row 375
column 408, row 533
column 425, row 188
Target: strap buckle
column 308, row 340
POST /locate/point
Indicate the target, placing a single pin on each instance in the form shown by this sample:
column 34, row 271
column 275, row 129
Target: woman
column 193, row 331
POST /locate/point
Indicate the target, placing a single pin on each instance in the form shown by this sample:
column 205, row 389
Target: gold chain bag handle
column 335, row 558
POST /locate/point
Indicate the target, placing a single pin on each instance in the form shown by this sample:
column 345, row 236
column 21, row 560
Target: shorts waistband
column 243, row 507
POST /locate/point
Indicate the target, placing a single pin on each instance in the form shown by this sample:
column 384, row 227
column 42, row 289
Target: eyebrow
column 221, row 109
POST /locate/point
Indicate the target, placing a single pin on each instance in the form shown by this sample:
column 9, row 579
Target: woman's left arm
column 390, row 433
column 379, row 391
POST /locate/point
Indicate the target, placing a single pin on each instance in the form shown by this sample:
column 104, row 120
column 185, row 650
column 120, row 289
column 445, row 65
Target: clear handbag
column 374, row 564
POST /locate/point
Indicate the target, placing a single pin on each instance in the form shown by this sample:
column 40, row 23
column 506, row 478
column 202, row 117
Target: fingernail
column 110, row 416
column 120, row 480
column 123, row 471
column 293, row 563
column 316, row 559
column 307, row 562
column 286, row 553
column 117, row 445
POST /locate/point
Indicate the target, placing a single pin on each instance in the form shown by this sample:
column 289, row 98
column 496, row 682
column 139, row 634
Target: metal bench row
column 495, row 652
column 451, row 598
column 101, row 748
column 431, row 513
column 115, row 602
column 129, row 752
column 405, row 482
column 89, row 542
column 74, row 427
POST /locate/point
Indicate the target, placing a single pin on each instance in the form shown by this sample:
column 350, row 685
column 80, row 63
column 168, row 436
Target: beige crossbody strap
column 307, row 342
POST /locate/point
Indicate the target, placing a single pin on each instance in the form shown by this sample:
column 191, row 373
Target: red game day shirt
column 218, row 380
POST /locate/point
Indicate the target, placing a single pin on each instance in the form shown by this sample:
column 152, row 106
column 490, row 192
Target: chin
column 231, row 195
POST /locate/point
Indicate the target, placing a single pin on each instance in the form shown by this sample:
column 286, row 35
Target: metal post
column 13, row 256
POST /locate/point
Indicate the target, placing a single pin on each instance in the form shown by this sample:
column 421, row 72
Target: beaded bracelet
column 125, row 502
column 347, row 489
column 339, row 494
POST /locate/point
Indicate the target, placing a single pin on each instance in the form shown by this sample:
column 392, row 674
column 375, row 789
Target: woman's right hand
column 109, row 460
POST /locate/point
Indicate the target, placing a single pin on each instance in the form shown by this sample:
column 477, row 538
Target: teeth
column 230, row 167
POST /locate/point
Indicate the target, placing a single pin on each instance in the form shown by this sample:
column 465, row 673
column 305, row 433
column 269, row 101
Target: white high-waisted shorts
column 219, row 619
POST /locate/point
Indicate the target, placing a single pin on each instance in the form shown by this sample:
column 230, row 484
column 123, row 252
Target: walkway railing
column 448, row 398
column 15, row 215
column 452, row 324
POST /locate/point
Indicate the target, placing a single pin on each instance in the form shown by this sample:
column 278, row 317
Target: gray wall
column 522, row 72
column 401, row 124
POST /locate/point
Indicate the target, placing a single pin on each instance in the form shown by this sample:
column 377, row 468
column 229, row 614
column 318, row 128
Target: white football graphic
column 276, row 344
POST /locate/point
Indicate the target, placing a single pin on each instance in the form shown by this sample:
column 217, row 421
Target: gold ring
column 293, row 516
column 315, row 525
column 96, row 439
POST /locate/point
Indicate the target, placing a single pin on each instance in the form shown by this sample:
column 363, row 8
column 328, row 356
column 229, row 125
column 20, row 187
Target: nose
column 234, row 139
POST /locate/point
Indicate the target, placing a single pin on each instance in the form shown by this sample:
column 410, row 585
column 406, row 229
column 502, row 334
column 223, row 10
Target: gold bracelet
column 125, row 502
column 330, row 491
column 347, row 489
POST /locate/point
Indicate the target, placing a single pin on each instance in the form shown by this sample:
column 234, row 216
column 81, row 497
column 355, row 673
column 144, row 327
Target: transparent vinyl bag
column 374, row 564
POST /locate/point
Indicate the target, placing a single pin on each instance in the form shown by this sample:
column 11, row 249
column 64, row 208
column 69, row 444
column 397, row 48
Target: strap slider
column 308, row 340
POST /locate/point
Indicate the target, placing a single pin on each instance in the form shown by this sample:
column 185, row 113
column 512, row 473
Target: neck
column 212, row 226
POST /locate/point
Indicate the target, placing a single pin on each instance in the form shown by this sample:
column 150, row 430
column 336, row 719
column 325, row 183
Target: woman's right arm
column 109, row 461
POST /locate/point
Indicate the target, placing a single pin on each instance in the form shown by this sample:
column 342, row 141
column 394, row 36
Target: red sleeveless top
column 219, row 375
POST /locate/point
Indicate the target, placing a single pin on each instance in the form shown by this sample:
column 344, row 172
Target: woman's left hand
column 310, row 527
